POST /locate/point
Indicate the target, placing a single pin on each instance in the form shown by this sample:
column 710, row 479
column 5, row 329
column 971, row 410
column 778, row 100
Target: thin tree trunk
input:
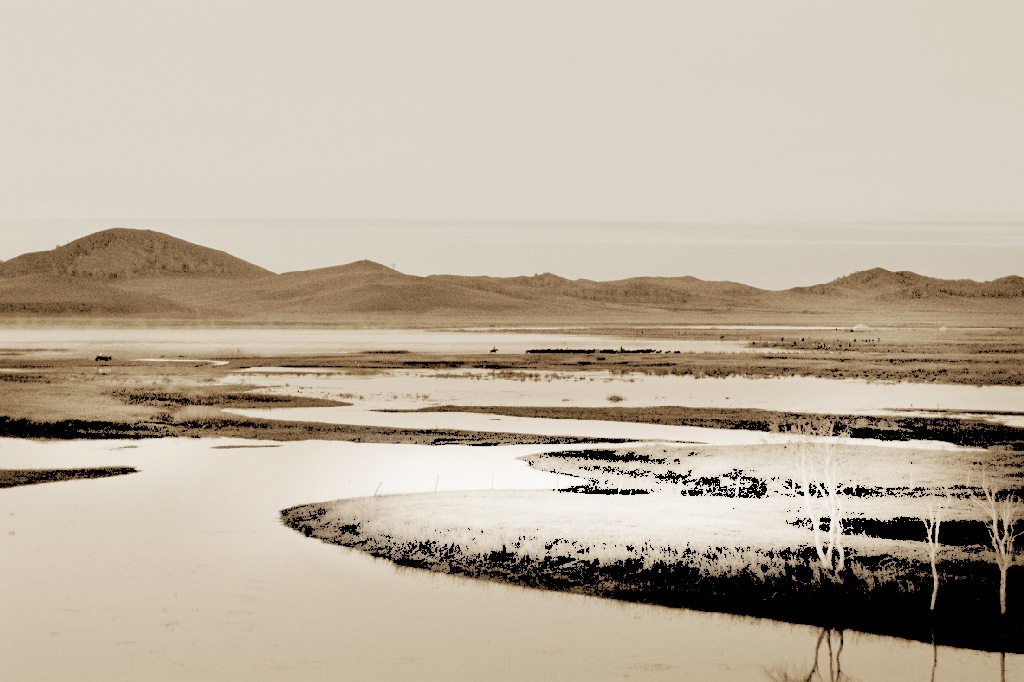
column 932, row 525
column 1002, row 589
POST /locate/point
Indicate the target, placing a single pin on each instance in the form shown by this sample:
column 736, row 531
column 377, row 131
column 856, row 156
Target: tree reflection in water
column 833, row 672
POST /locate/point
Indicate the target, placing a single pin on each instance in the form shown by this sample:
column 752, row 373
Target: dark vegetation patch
column 433, row 364
column 649, row 471
column 605, row 455
column 790, row 487
column 594, row 490
column 733, row 484
column 20, row 378
column 10, row 478
column 603, row 470
column 966, row 432
column 918, row 363
column 951, row 531
column 215, row 397
column 243, row 447
column 592, row 351
column 263, row 429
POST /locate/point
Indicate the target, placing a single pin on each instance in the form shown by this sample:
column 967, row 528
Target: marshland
column 509, row 501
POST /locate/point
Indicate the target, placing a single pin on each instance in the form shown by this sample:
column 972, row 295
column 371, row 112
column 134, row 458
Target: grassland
column 718, row 528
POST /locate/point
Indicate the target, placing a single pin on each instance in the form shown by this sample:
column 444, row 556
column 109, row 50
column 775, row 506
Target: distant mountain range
column 145, row 275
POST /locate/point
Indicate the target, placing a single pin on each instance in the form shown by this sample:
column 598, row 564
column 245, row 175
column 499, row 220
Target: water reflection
column 834, row 656
column 832, row 671
column 410, row 389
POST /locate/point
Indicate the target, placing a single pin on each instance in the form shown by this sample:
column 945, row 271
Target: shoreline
column 894, row 605
column 722, row 528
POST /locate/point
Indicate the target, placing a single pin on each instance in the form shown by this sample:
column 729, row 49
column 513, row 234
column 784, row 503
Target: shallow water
column 225, row 342
column 576, row 428
column 412, row 389
column 183, row 571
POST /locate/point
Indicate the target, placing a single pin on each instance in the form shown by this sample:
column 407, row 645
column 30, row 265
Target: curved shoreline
column 718, row 528
column 879, row 594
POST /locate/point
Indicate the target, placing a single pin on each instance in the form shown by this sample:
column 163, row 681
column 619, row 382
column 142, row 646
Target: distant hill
column 53, row 295
column 145, row 275
column 121, row 253
column 366, row 289
column 669, row 293
column 884, row 284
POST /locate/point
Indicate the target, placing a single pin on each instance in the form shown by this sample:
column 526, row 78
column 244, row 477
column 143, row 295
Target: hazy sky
column 775, row 143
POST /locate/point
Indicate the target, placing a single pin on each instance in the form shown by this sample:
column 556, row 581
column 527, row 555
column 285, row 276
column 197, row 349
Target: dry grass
column 683, row 540
column 686, row 506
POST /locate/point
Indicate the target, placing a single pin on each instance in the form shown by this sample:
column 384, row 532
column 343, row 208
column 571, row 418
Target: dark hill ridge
column 142, row 274
column 122, row 253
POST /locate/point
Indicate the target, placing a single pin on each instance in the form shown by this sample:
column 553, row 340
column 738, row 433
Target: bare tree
column 1002, row 512
column 820, row 489
column 932, row 523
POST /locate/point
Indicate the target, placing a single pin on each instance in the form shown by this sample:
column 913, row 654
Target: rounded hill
column 122, row 253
